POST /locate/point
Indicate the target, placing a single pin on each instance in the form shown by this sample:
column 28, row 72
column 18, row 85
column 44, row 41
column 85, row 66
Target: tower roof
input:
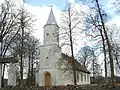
column 51, row 18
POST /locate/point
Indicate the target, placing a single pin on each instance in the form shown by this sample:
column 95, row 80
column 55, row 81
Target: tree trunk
column 0, row 75
column 71, row 45
column 22, row 52
column 84, row 63
column 28, row 78
column 108, row 43
column 104, row 51
column 93, row 67
column 2, row 79
column 116, row 58
column 21, row 72
column 32, row 71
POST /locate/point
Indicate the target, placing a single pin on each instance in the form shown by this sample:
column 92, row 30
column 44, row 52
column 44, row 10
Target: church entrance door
column 47, row 79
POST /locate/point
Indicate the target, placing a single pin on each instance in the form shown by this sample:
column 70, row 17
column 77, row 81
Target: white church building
column 55, row 68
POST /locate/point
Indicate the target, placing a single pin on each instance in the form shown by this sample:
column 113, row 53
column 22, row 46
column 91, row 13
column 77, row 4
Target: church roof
column 51, row 18
column 78, row 66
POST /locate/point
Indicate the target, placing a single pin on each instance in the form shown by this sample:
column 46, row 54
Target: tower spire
column 51, row 18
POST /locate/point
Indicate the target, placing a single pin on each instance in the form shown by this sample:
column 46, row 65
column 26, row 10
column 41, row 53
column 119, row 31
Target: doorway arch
column 47, row 79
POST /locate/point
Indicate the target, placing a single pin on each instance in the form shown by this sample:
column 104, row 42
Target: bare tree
column 103, row 29
column 113, row 33
column 84, row 56
column 116, row 51
column 88, row 57
column 25, row 23
column 8, row 28
column 71, row 20
column 94, row 31
column 15, row 49
column 107, row 40
column 116, row 5
column 33, row 52
column 96, row 69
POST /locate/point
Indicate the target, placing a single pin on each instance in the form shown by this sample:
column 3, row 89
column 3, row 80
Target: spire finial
column 51, row 18
column 51, row 6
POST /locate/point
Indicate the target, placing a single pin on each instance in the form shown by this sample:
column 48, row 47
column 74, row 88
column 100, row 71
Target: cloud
column 71, row 1
column 115, row 20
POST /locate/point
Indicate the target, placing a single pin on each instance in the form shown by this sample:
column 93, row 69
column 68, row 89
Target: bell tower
column 50, row 53
column 51, row 31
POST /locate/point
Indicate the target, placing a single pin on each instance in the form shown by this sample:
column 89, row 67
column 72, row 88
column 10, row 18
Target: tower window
column 46, row 57
column 47, row 63
column 47, row 33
